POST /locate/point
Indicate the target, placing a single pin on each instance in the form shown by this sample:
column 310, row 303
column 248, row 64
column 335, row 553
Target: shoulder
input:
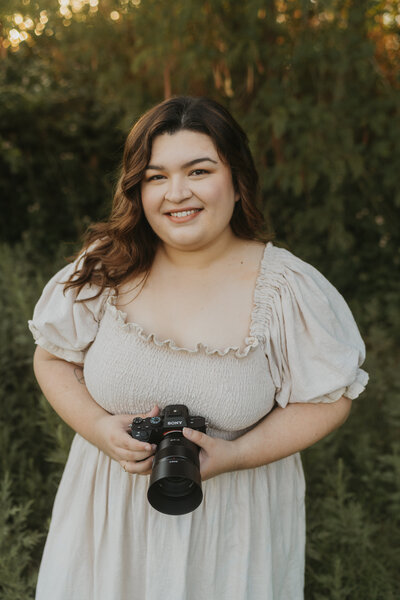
column 280, row 259
column 290, row 289
column 65, row 321
column 58, row 296
column 282, row 268
column 311, row 339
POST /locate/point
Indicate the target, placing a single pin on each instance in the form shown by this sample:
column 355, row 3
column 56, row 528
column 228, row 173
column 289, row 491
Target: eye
column 199, row 172
column 154, row 178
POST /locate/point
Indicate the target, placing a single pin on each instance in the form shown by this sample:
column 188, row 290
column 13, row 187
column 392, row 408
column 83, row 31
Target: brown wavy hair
column 125, row 245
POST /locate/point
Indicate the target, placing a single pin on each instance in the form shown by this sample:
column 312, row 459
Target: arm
column 281, row 433
column 63, row 385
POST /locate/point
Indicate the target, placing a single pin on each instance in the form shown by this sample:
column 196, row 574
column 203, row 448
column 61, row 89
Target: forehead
column 182, row 146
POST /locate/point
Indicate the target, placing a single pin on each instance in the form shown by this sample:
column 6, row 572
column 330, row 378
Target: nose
column 178, row 190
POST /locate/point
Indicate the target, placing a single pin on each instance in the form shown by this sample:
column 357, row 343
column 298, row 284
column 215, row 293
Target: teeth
column 184, row 213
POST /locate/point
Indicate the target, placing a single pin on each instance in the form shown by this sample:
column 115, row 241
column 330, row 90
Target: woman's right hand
column 112, row 437
column 63, row 384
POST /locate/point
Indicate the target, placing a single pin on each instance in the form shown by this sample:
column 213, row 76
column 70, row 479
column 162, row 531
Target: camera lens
column 175, row 482
column 176, row 486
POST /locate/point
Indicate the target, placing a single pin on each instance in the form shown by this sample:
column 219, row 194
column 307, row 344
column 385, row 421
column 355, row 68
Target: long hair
column 125, row 245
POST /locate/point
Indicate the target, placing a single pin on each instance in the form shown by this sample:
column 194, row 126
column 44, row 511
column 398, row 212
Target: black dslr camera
column 175, row 482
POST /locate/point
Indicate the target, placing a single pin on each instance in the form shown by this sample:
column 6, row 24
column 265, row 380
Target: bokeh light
column 20, row 27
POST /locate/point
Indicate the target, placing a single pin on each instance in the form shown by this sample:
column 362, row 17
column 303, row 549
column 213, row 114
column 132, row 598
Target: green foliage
column 353, row 495
column 17, row 541
column 33, row 442
column 316, row 87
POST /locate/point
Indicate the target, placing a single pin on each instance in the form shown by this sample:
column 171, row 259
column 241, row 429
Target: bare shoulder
column 250, row 256
column 251, row 247
column 131, row 287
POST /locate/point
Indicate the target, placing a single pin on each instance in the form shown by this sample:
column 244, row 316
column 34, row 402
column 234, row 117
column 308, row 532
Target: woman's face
column 187, row 191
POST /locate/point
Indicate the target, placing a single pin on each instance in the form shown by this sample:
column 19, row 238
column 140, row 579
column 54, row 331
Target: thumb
column 155, row 411
column 197, row 437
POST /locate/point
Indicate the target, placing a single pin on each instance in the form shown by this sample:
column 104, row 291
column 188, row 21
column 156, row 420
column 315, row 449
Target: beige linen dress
column 246, row 541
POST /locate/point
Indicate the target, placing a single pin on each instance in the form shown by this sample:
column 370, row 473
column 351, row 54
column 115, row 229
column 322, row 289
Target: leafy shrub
column 316, row 86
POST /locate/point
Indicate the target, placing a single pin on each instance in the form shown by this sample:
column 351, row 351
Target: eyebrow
column 188, row 164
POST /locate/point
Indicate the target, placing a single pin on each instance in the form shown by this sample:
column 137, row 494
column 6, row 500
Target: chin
column 183, row 242
column 186, row 244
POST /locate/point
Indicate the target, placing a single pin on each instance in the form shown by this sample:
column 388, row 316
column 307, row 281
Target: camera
column 175, row 482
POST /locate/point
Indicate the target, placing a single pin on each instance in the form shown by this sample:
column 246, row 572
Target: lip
column 167, row 212
column 176, row 219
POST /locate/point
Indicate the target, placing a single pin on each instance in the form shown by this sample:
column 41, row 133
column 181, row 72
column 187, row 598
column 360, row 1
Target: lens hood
column 175, row 482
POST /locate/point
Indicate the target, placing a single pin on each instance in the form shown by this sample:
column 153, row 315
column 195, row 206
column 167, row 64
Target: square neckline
column 251, row 341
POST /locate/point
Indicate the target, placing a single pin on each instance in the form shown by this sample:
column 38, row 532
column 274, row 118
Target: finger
column 133, row 445
column 139, row 468
column 155, row 411
column 129, row 446
column 128, row 418
column 197, row 437
column 135, row 456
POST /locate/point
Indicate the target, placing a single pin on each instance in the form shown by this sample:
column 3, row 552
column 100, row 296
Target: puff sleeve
column 61, row 325
column 312, row 342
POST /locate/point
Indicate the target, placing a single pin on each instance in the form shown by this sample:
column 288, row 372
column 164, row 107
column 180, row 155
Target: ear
column 237, row 192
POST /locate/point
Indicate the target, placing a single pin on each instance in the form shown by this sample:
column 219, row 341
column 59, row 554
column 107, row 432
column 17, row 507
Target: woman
column 178, row 300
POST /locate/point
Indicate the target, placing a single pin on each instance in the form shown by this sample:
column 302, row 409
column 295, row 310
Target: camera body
column 174, row 418
column 175, row 481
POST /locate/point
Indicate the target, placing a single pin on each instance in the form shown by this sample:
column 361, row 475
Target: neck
column 202, row 257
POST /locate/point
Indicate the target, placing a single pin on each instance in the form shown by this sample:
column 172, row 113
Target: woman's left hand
column 216, row 455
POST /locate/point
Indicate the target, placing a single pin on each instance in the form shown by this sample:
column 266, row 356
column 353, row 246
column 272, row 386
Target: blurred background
column 316, row 85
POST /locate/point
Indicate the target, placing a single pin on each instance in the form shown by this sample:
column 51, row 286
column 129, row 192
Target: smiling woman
column 125, row 246
column 188, row 208
column 178, row 299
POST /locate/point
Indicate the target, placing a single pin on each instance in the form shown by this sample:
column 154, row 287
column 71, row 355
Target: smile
column 184, row 213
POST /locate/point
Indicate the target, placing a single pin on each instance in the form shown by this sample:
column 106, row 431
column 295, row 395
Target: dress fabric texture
column 246, row 540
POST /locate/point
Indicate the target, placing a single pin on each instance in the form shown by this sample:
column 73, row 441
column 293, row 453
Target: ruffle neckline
column 251, row 342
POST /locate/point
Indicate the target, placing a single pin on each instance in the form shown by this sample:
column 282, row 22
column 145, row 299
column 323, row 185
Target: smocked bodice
column 302, row 346
column 127, row 371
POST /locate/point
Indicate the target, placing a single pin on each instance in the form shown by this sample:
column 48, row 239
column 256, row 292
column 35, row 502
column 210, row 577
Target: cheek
column 150, row 203
column 219, row 189
column 221, row 196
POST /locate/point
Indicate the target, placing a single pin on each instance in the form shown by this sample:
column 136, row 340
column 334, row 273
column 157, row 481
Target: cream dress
column 246, row 541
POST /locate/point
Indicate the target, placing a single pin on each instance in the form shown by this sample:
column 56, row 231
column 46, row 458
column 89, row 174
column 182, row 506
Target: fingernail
column 154, row 446
column 188, row 431
column 148, row 447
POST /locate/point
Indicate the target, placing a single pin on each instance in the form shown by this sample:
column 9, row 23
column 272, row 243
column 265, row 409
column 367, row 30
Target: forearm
column 286, row 431
column 281, row 433
column 63, row 385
